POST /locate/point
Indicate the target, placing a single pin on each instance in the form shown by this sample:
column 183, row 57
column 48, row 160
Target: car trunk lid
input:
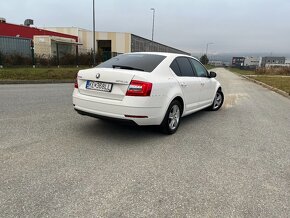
column 105, row 82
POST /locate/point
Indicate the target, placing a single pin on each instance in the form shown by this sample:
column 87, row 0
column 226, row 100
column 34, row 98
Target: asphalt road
column 231, row 163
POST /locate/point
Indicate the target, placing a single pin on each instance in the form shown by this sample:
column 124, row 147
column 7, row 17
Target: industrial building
column 246, row 62
column 114, row 42
column 15, row 45
column 251, row 62
column 57, row 41
column 20, row 39
column 272, row 61
column 254, row 62
column 238, row 61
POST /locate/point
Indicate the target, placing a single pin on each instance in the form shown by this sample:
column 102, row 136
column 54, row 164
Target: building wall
column 251, row 62
column 15, row 45
column 140, row 44
column 42, row 46
column 238, row 61
column 120, row 42
column 272, row 60
column 45, row 46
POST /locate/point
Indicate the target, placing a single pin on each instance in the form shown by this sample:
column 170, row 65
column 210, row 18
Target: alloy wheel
column 174, row 117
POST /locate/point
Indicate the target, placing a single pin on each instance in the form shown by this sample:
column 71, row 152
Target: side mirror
column 212, row 74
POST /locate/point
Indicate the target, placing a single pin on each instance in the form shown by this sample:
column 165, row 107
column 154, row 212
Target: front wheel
column 172, row 117
column 218, row 101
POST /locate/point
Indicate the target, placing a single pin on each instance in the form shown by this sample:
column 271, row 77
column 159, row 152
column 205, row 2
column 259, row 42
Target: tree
column 204, row 59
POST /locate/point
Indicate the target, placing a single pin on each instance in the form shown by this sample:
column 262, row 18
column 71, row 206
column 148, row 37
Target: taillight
column 139, row 88
column 76, row 82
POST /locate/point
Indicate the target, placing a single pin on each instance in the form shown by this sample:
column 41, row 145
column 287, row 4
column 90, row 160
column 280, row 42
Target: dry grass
column 47, row 73
column 284, row 71
column 275, row 76
column 282, row 83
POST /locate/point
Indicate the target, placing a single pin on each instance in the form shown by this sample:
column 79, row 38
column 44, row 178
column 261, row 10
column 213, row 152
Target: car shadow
column 115, row 130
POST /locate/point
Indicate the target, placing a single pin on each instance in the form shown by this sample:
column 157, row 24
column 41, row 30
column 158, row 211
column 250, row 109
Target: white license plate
column 99, row 86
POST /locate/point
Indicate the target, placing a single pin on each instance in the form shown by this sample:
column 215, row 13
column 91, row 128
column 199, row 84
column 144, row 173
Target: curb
column 285, row 94
column 5, row 82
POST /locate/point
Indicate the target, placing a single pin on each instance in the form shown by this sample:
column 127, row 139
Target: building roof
column 14, row 30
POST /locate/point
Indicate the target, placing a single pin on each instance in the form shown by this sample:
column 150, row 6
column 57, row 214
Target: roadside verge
column 6, row 82
column 279, row 91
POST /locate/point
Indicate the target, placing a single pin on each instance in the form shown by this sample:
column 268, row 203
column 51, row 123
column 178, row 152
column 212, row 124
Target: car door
column 207, row 87
column 189, row 83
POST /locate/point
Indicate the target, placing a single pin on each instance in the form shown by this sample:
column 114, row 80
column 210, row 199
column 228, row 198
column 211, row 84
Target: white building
column 113, row 42
column 251, row 62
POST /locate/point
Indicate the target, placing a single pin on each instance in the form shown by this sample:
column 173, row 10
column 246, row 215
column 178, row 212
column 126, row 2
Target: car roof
column 162, row 53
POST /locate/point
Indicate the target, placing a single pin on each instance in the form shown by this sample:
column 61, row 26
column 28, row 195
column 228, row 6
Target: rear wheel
column 218, row 101
column 172, row 117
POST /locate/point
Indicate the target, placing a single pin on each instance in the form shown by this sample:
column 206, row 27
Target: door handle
column 202, row 84
column 183, row 85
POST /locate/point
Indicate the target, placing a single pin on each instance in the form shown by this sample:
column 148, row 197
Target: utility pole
column 153, row 9
column 207, row 44
column 94, row 35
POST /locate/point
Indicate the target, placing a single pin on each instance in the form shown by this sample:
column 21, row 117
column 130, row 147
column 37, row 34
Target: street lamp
column 207, row 44
column 94, row 35
column 153, row 9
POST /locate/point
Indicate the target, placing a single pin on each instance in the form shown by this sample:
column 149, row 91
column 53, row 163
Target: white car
column 147, row 88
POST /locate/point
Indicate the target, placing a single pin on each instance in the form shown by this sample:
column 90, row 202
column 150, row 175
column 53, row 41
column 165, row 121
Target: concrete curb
column 285, row 94
column 35, row 81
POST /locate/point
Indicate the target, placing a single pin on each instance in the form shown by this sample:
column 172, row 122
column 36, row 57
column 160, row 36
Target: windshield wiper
column 127, row 67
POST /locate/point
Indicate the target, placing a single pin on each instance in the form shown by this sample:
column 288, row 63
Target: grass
column 282, row 83
column 209, row 67
column 44, row 73
column 48, row 73
column 275, row 77
column 242, row 72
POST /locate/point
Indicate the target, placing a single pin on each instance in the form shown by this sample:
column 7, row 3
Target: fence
column 15, row 51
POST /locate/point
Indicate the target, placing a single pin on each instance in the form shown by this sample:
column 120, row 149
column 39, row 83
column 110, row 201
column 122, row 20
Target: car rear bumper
column 125, row 121
column 115, row 109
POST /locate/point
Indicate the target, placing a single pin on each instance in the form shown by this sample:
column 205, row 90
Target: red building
column 18, row 39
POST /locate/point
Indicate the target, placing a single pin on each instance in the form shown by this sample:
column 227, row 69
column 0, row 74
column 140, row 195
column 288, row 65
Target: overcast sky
column 232, row 25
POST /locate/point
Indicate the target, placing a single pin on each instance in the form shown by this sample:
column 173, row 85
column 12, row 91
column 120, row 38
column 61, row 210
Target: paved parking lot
column 231, row 163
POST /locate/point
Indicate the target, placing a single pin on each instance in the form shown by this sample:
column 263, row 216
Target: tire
column 218, row 101
column 172, row 118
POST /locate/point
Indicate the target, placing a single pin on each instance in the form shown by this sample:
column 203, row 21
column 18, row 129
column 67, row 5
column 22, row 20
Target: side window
column 200, row 70
column 174, row 66
column 185, row 66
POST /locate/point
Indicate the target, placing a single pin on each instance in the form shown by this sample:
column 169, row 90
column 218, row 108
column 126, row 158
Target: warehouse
column 60, row 42
column 272, row 61
column 113, row 43
column 20, row 39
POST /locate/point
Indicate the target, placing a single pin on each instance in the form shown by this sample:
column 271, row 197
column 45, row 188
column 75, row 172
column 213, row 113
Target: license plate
column 99, row 86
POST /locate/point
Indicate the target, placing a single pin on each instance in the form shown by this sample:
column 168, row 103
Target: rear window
column 142, row 62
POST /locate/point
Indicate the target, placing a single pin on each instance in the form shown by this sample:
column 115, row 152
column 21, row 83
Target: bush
column 285, row 71
column 15, row 60
column 83, row 59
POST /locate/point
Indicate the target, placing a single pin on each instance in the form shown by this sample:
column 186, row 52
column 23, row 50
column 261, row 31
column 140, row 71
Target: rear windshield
column 141, row 62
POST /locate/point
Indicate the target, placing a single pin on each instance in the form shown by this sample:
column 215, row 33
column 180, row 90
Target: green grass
column 47, row 73
column 282, row 83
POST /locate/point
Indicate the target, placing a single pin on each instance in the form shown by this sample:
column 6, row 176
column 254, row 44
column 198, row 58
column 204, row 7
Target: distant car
column 147, row 88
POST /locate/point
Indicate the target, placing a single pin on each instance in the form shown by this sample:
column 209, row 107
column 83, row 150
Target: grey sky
column 232, row 25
